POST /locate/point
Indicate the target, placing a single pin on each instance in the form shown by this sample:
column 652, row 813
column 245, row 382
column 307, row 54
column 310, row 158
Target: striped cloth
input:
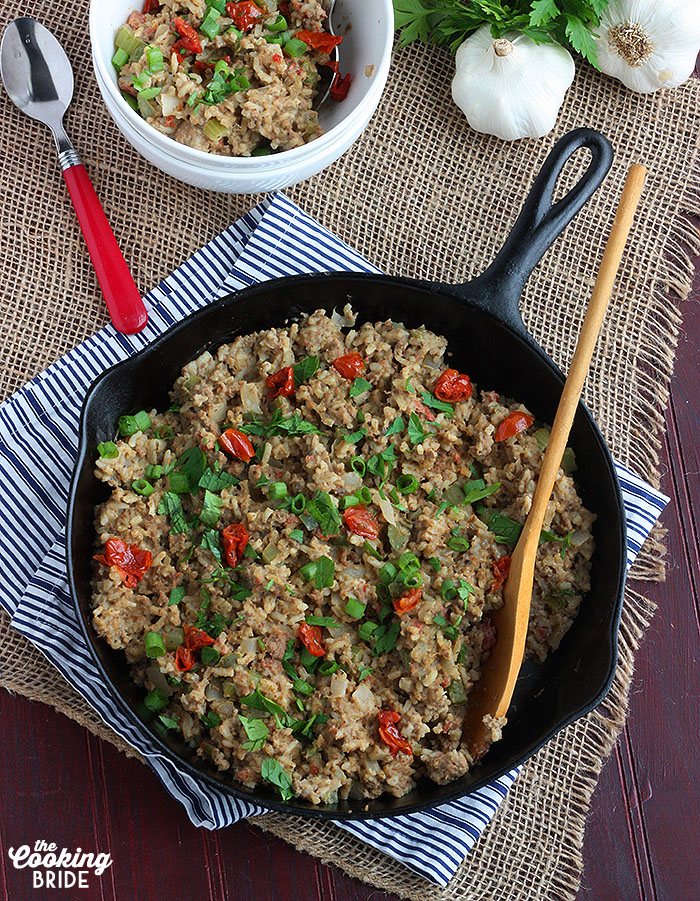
column 274, row 239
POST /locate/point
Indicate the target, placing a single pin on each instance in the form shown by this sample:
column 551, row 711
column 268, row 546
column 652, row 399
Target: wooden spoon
column 493, row 692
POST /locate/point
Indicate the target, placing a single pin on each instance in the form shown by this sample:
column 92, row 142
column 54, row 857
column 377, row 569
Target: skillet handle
column 540, row 222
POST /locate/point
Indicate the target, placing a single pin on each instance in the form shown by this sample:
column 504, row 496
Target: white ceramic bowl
column 365, row 52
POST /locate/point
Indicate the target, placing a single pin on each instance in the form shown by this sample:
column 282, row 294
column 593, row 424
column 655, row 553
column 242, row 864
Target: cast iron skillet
column 488, row 340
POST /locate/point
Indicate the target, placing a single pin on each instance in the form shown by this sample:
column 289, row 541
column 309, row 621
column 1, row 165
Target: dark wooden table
column 60, row 784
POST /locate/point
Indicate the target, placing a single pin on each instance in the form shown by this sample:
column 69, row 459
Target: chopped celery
column 214, row 130
column 210, row 23
column 149, row 93
column 126, row 40
column 155, row 59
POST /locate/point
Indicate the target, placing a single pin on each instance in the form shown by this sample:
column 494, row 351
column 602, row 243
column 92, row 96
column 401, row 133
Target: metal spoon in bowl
column 39, row 80
column 327, row 75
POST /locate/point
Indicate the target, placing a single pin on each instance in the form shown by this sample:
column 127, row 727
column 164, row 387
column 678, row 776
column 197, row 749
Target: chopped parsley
column 356, row 436
column 305, row 368
column 216, row 481
column 279, row 425
column 273, row 772
column 176, row 595
column 360, row 386
column 326, row 621
column 396, row 427
column 258, row 701
column 256, row 730
column 321, row 572
column 324, row 512
column 212, row 542
column 211, row 508
column 296, row 535
column 441, row 405
column 416, row 431
column 171, row 506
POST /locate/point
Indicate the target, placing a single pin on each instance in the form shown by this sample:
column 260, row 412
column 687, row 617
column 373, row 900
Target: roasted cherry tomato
column 501, row 568
column 184, row 658
column 234, row 541
column 340, row 87
column 237, row 445
column 196, row 638
column 319, row 40
column 360, row 521
column 130, row 561
column 390, row 734
column 281, row 383
column 408, row 600
column 350, row 366
column 151, row 6
column 513, row 423
column 189, row 39
column 453, row 386
column 311, row 639
column 244, row 14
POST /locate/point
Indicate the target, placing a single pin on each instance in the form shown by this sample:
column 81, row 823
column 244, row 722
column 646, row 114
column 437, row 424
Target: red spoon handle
column 121, row 295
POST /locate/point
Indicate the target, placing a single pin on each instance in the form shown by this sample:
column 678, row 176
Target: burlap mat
column 419, row 194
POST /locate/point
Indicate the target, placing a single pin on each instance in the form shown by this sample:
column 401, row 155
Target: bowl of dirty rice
column 225, row 96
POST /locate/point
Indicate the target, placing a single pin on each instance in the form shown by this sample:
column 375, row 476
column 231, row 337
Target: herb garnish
column 360, row 386
column 279, row 425
column 256, row 730
column 304, row 369
column 171, row 505
column 273, row 772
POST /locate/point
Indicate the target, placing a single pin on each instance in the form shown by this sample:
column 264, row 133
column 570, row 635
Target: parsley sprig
column 447, row 23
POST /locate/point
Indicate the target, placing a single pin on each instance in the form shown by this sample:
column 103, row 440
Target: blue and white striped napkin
column 274, row 239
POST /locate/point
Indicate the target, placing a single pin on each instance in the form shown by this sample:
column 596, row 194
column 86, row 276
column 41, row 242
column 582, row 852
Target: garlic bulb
column 511, row 87
column 649, row 44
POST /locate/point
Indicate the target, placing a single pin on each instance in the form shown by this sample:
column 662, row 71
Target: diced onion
column 363, row 697
column 352, row 481
column 384, row 505
column 169, row 103
column 248, row 645
column 339, row 684
column 158, row 680
column 250, row 398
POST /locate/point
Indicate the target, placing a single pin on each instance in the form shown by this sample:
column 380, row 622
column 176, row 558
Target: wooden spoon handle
column 580, row 364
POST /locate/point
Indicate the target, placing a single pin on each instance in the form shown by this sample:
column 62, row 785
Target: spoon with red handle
column 39, row 80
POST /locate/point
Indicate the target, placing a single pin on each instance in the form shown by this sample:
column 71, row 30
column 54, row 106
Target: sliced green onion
column 154, row 644
column 209, row 655
column 355, row 609
column 365, row 630
column 240, row 83
column 568, row 460
column 234, row 31
column 303, row 687
column 457, row 543
column 406, row 484
column 220, row 5
column 388, row 573
column 192, row 100
column 142, row 487
column 261, row 151
column 154, row 472
column 358, row 465
column 108, row 450
column 179, row 483
column 149, row 93
column 297, row 504
column 280, row 24
column 448, row 590
column 280, row 38
column 155, row 59
column 156, row 700
column 295, row 47
column 221, row 66
column 308, row 661
column 120, row 58
column 327, row 668
column 125, row 39
column 210, row 23
column 130, row 425
column 277, row 491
